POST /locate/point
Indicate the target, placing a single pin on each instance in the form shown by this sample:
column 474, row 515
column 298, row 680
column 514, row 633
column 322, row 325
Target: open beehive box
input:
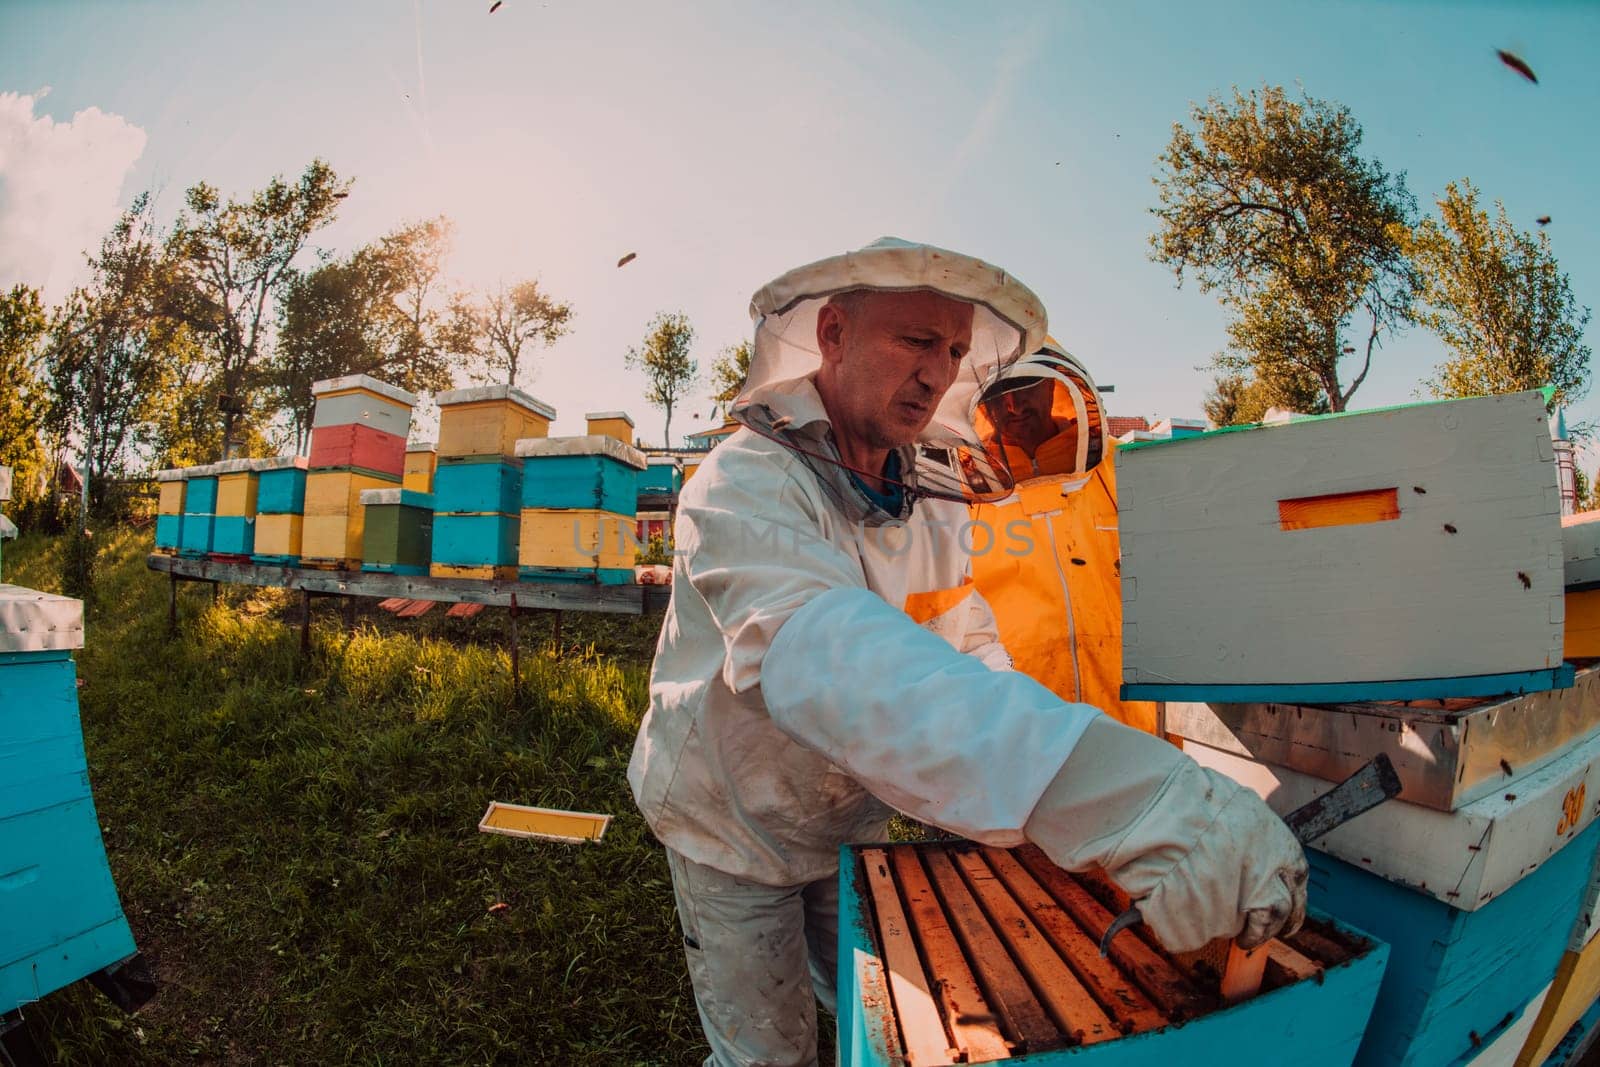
column 952, row 952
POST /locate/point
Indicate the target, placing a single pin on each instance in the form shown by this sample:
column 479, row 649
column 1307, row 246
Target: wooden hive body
column 593, row 472
column 577, row 544
column 281, row 487
column 1575, row 990
column 360, row 400
column 278, row 539
column 613, row 424
column 954, row 953
column 478, row 485
column 398, row 533
column 1477, row 903
column 419, row 467
column 487, row 540
column 60, row 919
column 199, row 512
column 489, row 420
column 169, row 510
column 1354, row 552
column 357, row 445
column 331, row 536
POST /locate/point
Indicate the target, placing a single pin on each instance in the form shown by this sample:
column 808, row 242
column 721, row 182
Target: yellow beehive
column 333, row 539
column 576, row 537
column 236, row 486
column 420, row 463
column 337, row 491
column 488, row 420
column 278, row 535
column 689, row 467
column 1582, row 636
column 610, row 424
column 172, row 483
column 480, row 573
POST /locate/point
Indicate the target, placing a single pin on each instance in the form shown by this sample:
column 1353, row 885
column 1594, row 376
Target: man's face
column 1023, row 415
column 887, row 359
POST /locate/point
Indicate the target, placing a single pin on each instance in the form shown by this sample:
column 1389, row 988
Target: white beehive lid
column 367, row 382
column 31, row 621
column 594, row 416
column 592, row 444
column 176, row 474
column 478, row 393
column 282, row 463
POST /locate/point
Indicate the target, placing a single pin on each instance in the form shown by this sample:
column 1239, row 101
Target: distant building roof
column 1117, row 425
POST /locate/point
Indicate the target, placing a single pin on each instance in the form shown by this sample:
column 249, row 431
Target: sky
column 725, row 143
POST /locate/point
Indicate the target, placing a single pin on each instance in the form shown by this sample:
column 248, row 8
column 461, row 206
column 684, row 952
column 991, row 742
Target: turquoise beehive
column 60, row 919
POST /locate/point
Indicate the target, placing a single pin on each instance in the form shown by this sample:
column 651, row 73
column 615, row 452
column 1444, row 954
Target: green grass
column 295, row 840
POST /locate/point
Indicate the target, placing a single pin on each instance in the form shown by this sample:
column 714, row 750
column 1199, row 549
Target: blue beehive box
column 922, row 977
column 475, row 540
column 201, row 496
column 281, row 487
column 233, row 535
column 478, row 485
column 194, row 536
column 591, row 471
column 60, row 919
column 169, row 530
column 662, row 476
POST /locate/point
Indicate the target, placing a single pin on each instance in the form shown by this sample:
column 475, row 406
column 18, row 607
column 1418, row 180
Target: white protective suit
column 793, row 694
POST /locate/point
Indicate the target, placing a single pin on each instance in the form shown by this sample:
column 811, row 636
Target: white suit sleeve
column 928, row 729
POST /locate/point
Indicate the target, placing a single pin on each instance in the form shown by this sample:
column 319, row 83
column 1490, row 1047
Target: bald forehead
column 951, row 318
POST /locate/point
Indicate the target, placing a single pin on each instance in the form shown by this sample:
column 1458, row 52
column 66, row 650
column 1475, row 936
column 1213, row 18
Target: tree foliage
column 369, row 313
column 670, row 372
column 1498, row 300
column 729, row 371
column 23, row 327
column 236, row 256
column 117, row 352
column 492, row 331
column 1268, row 202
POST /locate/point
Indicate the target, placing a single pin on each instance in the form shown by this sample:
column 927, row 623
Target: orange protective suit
column 1052, row 573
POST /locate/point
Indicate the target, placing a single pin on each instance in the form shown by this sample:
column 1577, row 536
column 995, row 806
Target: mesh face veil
column 948, row 459
column 1042, row 416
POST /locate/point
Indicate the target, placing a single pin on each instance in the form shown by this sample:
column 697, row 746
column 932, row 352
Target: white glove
column 1201, row 855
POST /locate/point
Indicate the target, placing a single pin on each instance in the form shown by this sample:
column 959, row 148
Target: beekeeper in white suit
column 824, row 660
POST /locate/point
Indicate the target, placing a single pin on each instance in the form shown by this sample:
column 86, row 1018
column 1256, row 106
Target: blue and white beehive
column 60, row 919
column 1477, row 903
column 591, row 471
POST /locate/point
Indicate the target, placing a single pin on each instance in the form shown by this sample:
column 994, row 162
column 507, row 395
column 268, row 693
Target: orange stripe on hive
column 1339, row 509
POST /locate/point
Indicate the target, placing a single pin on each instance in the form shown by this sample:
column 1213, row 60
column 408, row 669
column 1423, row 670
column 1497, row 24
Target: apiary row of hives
column 495, row 498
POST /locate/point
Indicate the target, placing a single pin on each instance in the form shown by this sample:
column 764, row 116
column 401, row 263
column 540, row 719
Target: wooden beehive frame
column 993, row 953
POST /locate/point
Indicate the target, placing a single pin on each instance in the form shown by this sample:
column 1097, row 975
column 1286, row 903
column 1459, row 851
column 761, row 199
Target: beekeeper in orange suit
column 1052, row 574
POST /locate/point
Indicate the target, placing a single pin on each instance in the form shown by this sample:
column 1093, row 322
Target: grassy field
column 295, row 840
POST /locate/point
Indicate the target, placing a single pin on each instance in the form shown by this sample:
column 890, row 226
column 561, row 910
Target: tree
column 23, row 327
column 1497, row 299
column 1269, row 203
column 493, row 330
column 729, row 372
column 236, row 256
column 370, row 313
column 664, row 357
column 414, row 256
column 114, row 350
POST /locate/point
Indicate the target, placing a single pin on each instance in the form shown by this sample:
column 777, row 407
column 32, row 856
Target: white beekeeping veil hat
column 1008, row 320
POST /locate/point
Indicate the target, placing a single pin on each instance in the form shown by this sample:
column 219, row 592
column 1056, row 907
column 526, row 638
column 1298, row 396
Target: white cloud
column 60, row 189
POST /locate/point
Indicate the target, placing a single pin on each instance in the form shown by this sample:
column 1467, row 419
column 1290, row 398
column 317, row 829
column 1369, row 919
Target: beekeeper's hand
column 1202, row 856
